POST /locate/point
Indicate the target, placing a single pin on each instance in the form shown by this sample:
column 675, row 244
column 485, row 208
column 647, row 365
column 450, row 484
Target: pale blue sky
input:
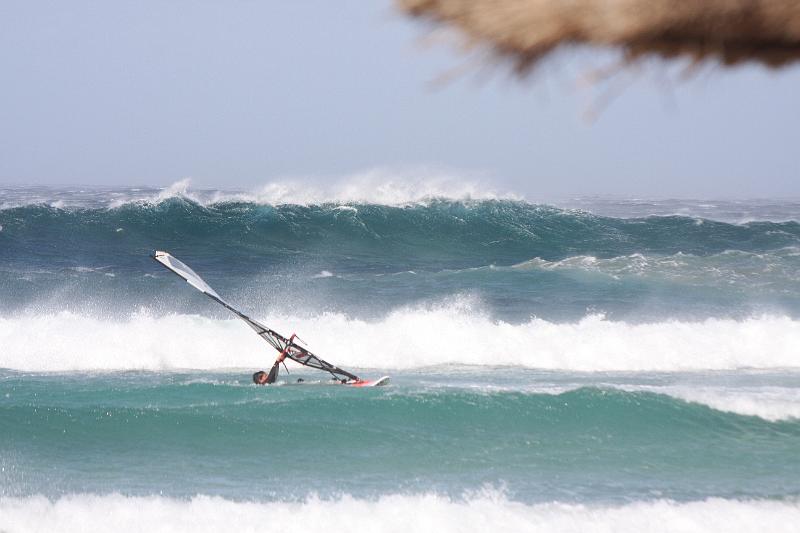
column 238, row 94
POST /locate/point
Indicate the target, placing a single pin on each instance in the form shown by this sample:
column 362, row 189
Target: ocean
column 590, row 364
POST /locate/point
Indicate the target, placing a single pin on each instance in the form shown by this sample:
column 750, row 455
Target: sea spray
column 389, row 514
column 407, row 338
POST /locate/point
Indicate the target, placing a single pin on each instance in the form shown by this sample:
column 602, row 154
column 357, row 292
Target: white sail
column 185, row 272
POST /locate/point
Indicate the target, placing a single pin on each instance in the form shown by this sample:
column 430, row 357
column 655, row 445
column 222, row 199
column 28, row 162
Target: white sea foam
column 384, row 186
column 406, row 338
column 380, row 186
column 376, row 186
column 731, row 267
column 487, row 511
column 769, row 403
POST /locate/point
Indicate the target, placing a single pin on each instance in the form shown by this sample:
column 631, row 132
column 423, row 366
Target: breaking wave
column 731, row 267
column 487, row 511
column 406, row 338
column 441, row 233
column 769, row 403
column 376, row 186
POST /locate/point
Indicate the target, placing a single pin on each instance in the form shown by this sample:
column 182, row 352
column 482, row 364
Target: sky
column 245, row 93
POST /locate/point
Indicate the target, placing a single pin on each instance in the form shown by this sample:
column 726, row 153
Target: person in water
column 262, row 378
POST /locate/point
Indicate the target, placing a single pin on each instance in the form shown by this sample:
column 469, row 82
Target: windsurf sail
column 287, row 347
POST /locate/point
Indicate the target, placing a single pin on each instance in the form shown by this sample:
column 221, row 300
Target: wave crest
column 406, row 338
column 488, row 511
column 378, row 186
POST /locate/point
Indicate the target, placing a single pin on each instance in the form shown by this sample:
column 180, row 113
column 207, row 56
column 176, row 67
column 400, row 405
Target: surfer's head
column 260, row 378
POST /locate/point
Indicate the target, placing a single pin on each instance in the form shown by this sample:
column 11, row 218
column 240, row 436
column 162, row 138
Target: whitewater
column 585, row 364
column 395, row 513
column 405, row 339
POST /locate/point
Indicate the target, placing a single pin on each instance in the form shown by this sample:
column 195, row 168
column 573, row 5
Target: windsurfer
column 262, row 378
column 286, row 347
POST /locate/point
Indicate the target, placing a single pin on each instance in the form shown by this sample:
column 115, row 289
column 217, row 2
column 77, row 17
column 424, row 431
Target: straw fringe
column 728, row 31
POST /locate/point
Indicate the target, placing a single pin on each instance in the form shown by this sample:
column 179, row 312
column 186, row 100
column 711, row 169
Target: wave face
column 518, row 259
column 607, row 364
column 439, row 233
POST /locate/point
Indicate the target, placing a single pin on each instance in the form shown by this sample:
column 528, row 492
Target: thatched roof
column 729, row 31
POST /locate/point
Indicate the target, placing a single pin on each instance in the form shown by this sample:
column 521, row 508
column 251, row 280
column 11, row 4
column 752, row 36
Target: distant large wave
column 392, row 188
column 437, row 234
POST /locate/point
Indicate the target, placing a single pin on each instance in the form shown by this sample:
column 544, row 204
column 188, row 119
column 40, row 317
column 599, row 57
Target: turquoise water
column 550, row 366
column 542, row 436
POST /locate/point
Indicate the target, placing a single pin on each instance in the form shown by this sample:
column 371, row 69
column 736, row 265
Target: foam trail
column 390, row 514
column 406, row 338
